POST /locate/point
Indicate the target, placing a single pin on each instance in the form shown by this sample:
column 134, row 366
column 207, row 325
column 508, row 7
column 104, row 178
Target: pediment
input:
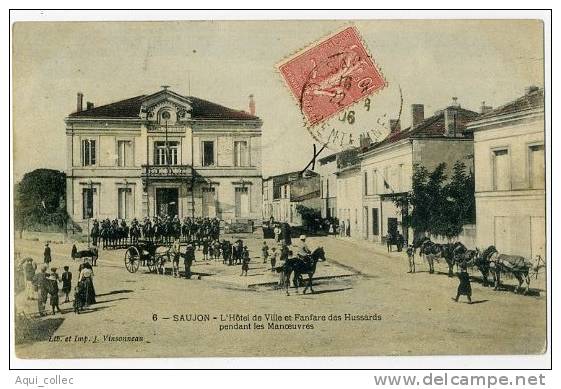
column 165, row 106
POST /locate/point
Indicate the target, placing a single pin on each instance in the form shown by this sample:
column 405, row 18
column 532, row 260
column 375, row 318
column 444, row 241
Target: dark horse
column 516, row 265
column 91, row 253
column 301, row 267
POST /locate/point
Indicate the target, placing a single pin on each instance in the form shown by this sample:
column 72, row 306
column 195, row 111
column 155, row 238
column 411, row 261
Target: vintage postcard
column 279, row 188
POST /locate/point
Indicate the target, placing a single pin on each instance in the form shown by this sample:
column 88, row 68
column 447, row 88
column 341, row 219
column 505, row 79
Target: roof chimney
column 451, row 122
column 485, row 108
column 417, row 114
column 79, row 101
column 251, row 105
column 89, row 105
column 395, row 126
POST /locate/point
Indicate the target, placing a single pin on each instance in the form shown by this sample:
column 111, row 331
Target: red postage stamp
column 331, row 75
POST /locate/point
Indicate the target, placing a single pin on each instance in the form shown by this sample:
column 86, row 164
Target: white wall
column 512, row 220
column 349, row 200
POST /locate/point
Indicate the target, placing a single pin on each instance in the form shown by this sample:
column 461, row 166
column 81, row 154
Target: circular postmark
column 359, row 124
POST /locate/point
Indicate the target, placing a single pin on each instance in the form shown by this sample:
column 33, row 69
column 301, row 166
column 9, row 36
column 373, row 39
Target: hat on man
column 302, row 237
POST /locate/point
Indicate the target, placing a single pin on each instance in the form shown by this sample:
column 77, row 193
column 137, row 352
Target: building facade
column 163, row 154
column 387, row 167
column 327, row 169
column 283, row 193
column 510, row 176
column 349, row 193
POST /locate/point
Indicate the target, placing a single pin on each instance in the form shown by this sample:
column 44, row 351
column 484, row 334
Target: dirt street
column 381, row 310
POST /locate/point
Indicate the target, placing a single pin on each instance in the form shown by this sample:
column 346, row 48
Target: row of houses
column 504, row 147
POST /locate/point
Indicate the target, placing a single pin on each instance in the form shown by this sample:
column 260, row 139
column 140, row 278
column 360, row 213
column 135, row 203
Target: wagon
column 146, row 253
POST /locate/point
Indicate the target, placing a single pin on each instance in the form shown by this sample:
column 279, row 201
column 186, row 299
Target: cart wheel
column 132, row 259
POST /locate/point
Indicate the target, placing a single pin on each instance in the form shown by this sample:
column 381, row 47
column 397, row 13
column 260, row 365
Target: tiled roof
column 531, row 100
column 130, row 108
column 431, row 127
column 121, row 109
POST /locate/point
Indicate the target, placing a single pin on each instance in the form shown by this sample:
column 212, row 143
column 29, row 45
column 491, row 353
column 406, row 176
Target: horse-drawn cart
column 147, row 253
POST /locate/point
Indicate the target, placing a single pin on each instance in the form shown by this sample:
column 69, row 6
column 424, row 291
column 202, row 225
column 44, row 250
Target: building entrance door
column 209, row 202
column 392, row 225
column 167, row 201
column 242, row 202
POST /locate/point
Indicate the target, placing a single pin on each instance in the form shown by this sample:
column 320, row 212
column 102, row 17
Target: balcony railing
column 167, row 171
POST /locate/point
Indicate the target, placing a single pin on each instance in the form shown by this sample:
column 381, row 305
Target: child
column 53, row 290
column 464, row 288
column 274, row 256
column 79, row 299
column 411, row 256
column 245, row 261
column 66, row 283
column 211, row 249
column 205, row 249
column 265, row 251
column 217, row 246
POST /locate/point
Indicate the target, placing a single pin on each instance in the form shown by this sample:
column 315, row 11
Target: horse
column 516, row 265
column 91, row 253
column 475, row 258
column 135, row 233
column 431, row 251
column 148, row 231
column 104, row 233
column 453, row 254
column 301, row 267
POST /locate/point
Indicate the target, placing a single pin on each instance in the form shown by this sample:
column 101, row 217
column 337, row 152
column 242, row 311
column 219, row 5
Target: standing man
column 188, row 260
column 29, row 272
column 95, row 232
column 66, row 278
column 47, row 254
column 176, row 252
column 40, row 284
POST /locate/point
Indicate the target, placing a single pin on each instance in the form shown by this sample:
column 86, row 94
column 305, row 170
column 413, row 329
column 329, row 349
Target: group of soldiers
column 115, row 233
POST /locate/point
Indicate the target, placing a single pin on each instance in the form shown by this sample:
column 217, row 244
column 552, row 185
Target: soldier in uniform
column 303, row 250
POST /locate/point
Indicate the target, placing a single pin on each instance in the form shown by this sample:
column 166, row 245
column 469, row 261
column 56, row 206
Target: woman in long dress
column 86, row 281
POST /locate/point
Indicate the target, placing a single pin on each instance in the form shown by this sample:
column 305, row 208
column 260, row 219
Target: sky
column 226, row 61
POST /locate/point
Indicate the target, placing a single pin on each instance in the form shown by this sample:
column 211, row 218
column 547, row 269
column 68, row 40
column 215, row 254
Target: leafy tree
column 439, row 206
column 311, row 217
column 39, row 200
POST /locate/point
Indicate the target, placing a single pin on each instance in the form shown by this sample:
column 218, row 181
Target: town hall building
column 163, row 154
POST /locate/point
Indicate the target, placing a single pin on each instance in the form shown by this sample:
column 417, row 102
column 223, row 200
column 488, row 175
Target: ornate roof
column 131, row 108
